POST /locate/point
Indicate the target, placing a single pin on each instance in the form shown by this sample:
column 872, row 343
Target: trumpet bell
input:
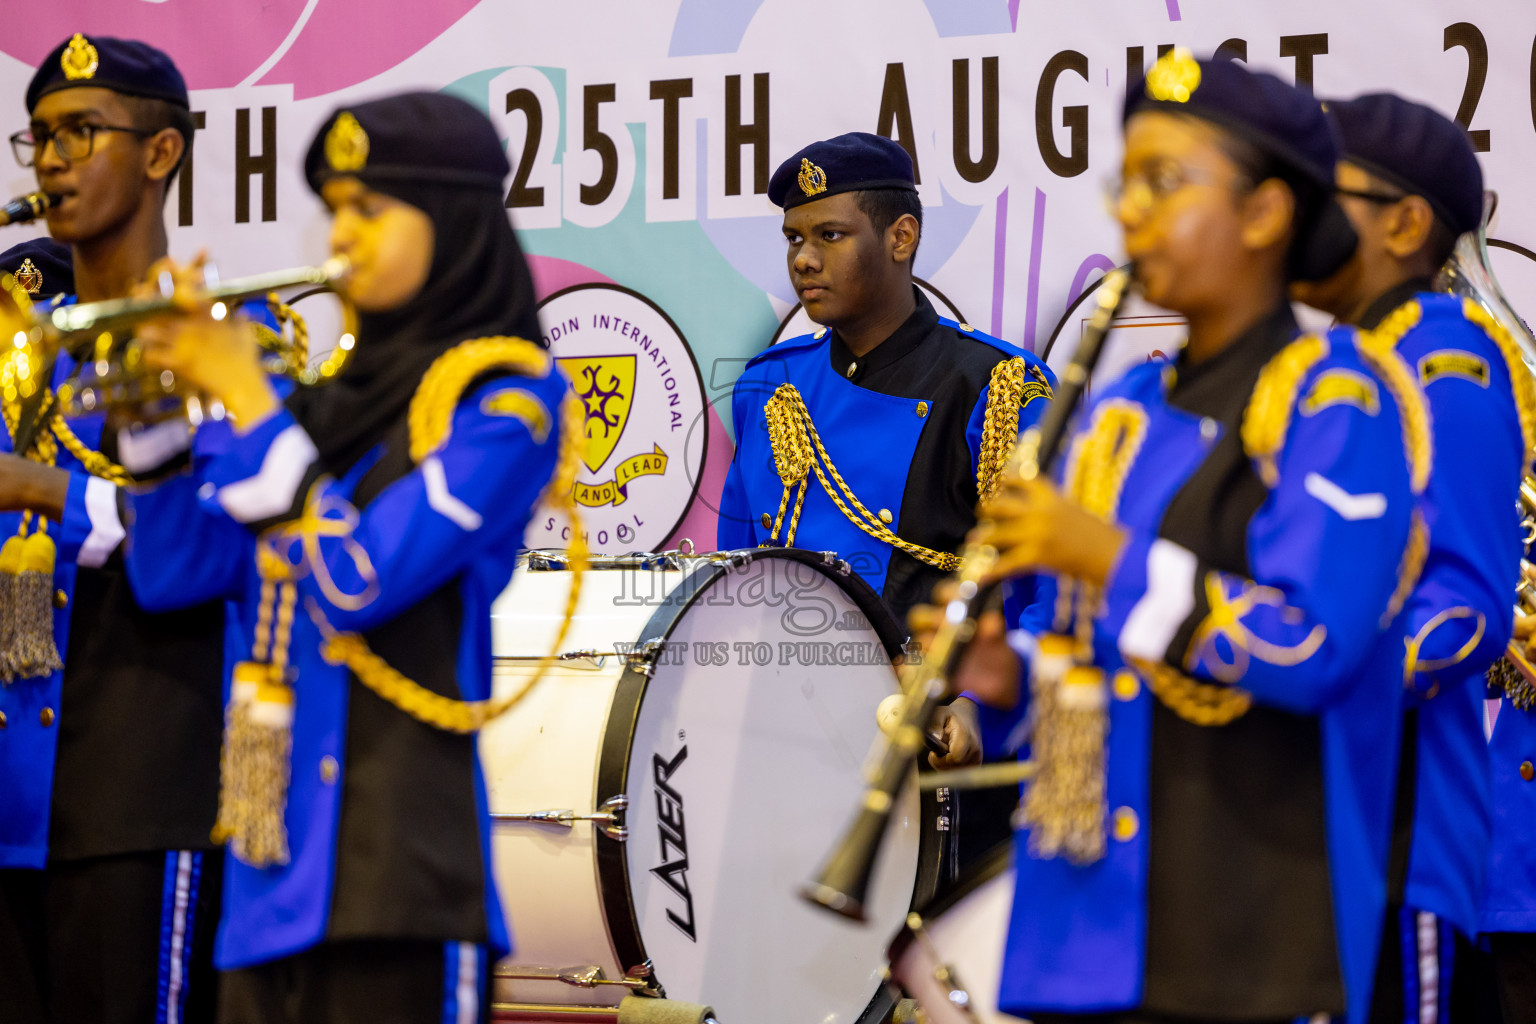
column 112, row 377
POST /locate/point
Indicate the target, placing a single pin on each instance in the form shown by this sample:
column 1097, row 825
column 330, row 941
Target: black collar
column 903, row 341
column 1392, row 298
column 1211, row 387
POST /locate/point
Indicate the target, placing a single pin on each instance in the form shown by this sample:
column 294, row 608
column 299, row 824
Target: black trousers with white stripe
column 363, row 981
column 111, row 940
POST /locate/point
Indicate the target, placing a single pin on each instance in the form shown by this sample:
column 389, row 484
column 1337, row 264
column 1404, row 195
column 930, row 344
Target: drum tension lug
column 639, row 980
column 609, row 817
column 643, row 657
column 841, row 567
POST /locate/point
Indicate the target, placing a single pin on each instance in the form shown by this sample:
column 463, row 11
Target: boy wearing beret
column 900, row 399
column 1411, row 185
column 910, row 416
column 109, row 755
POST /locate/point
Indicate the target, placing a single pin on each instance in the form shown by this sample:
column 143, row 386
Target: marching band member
column 363, row 530
column 108, row 760
column 915, row 412
column 875, row 435
column 1205, row 837
column 1411, row 185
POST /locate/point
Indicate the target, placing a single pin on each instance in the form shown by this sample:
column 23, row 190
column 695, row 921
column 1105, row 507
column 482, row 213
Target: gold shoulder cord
column 797, row 448
column 1013, row 386
column 1064, row 804
column 430, row 419
column 258, row 739
column 1379, row 350
column 1100, row 469
column 1266, row 421
column 27, row 646
column 1267, row 418
column 1520, row 378
column 797, row 451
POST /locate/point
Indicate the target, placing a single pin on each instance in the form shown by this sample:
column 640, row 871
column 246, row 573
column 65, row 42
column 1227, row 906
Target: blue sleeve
column 1460, row 616
column 734, row 528
column 180, row 553
column 363, row 567
column 1324, row 554
column 91, row 529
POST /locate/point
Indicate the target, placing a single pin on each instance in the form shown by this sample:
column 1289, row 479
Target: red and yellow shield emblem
column 606, row 387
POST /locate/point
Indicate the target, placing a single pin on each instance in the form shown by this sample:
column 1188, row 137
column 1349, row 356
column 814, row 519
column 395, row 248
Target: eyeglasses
column 1147, row 189
column 73, row 141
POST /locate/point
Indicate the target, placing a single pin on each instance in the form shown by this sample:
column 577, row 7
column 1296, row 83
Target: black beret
column 122, row 65
column 41, row 266
column 1280, row 119
column 856, row 162
column 1416, row 148
column 427, row 137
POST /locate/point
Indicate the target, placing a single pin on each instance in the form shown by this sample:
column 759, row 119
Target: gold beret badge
column 1174, row 78
column 346, row 145
column 813, row 180
column 79, row 58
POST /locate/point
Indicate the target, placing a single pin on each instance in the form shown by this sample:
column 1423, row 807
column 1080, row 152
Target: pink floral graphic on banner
column 318, row 47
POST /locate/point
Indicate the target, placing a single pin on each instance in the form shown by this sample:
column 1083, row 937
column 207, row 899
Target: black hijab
column 443, row 157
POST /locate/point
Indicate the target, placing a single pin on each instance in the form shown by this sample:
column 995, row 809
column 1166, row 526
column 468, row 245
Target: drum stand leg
column 633, row 1010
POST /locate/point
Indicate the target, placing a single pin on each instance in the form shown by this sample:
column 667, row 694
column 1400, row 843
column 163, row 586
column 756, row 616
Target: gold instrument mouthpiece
column 25, row 208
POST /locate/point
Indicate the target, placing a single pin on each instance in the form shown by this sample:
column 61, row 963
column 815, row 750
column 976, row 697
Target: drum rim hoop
column 617, row 744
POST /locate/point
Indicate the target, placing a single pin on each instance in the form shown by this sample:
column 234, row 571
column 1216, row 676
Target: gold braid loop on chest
column 798, row 451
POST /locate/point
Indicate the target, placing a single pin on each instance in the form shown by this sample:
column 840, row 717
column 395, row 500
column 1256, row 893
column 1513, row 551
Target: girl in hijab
column 362, row 530
column 1215, row 717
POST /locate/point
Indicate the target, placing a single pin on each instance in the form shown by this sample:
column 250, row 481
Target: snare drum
column 662, row 794
column 949, row 957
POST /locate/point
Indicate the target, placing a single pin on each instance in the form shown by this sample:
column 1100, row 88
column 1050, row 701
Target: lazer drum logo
column 673, row 869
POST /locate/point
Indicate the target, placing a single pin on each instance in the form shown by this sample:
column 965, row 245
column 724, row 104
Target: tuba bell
column 1469, row 274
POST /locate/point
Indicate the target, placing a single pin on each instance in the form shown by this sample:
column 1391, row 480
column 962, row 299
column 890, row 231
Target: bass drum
column 948, row 958
column 660, row 797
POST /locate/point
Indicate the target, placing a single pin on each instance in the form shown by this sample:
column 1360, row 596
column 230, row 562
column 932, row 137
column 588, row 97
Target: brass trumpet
column 110, row 374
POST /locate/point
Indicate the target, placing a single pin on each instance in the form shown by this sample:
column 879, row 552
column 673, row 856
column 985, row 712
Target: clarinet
column 842, row 884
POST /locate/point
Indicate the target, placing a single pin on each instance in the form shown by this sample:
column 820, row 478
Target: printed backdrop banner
column 643, row 132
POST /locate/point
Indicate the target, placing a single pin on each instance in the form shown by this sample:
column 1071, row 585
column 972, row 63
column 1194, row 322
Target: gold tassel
column 255, row 765
column 32, row 647
column 237, row 716
column 10, row 568
column 1064, row 804
column 255, row 769
column 1504, row 675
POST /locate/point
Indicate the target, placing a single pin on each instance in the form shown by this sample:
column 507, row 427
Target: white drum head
column 953, row 968
column 745, row 765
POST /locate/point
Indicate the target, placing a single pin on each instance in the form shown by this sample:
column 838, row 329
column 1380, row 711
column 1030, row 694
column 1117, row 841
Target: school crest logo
column 606, row 387
column 643, row 429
